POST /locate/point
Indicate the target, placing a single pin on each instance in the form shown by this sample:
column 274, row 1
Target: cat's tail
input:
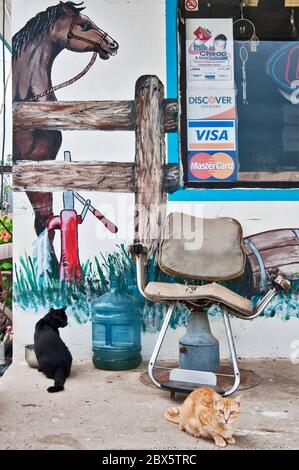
column 59, row 380
column 173, row 414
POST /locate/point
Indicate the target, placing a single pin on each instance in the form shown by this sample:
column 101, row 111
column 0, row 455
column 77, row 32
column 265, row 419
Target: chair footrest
column 187, row 387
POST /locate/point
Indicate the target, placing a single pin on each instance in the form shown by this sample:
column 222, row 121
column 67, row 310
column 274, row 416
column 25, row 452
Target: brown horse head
column 78, row 33
column 35, row 48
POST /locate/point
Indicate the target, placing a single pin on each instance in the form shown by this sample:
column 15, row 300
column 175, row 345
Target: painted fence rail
column 85, row 115
column 88, row 176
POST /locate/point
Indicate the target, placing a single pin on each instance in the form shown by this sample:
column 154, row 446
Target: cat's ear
column 217, row 399
column 52, row 310
column 238, row 399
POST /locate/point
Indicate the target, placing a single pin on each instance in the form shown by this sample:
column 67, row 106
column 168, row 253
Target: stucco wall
column 139, row 27
column 264, row 337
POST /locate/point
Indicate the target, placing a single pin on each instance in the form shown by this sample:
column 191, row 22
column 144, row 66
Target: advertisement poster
column 209, row 53
column 211, row 101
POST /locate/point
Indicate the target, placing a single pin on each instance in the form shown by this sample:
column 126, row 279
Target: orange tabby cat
column 204, row 413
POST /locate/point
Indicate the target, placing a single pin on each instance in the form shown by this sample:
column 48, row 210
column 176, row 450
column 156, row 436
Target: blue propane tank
column 116, row 330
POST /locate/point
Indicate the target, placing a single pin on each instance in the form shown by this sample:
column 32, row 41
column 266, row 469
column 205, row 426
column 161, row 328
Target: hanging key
column 244, row 58
column 254, row 42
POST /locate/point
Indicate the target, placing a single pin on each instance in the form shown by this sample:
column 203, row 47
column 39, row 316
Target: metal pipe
column 233, row 354
column 263, row 303
column 141, row 276
column 158, row 344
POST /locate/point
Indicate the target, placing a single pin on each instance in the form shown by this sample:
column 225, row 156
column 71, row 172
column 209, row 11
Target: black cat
column 53, row 357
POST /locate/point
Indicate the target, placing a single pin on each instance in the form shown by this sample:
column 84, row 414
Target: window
column 262, row 140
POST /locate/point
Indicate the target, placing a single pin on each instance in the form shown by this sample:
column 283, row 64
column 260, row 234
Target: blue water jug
column 116, row 330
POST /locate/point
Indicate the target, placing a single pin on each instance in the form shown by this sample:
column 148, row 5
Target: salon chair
column 199, row 249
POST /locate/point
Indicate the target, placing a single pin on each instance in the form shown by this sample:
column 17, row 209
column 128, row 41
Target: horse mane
column 40, row 25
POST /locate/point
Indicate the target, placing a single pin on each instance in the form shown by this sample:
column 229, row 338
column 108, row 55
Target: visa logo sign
column 214, row 135
column 211, row 135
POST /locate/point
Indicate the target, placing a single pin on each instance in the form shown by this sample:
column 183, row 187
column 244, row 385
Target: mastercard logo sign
column 219, row 165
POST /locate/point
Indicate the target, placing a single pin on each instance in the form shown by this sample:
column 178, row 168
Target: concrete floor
column 114, row 410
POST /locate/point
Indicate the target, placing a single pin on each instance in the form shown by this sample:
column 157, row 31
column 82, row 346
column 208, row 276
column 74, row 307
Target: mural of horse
column 35, row 48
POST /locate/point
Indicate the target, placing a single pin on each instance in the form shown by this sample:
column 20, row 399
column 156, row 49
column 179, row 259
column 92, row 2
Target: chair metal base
column 187, row 386
column 175, row 386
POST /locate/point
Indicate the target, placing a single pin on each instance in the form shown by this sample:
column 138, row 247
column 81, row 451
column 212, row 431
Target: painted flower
column 5, row 236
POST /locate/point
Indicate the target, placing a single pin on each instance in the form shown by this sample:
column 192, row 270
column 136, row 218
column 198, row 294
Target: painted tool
column 67, row 222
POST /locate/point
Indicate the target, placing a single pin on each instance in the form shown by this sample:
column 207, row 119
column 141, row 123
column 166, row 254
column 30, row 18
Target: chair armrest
column 279, row 284
column 139, row 252
column 282, row 284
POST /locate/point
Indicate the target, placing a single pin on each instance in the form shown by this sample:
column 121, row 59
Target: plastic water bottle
column 116, row 330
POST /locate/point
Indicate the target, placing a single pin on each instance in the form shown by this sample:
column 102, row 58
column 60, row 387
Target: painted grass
column 31, row 292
